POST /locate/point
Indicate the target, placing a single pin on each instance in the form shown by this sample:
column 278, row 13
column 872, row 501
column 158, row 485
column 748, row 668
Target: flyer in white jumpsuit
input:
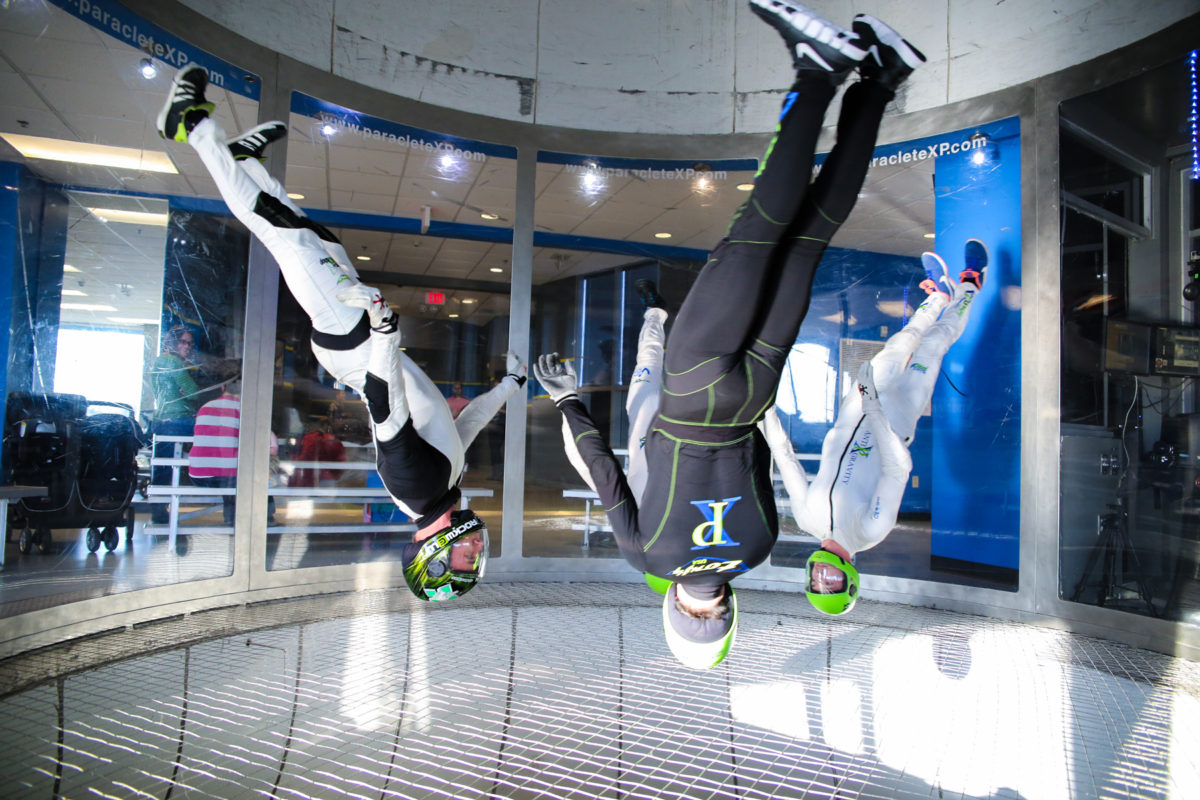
column 316, row 271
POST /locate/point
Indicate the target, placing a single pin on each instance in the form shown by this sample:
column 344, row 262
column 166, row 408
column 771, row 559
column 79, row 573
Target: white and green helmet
column 699, row 643
column 449, row 563
column 835, row 603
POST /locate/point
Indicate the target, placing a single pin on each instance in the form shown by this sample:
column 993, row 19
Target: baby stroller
column 88, row 465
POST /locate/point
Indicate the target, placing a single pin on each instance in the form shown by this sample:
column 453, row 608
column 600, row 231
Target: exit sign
column 435, row 298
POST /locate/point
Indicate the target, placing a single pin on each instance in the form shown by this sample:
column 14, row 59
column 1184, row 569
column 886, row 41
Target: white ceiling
column 61, row 78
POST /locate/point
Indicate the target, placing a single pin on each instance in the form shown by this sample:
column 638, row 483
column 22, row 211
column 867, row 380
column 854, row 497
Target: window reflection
column 1130, row 500
column 425, row 218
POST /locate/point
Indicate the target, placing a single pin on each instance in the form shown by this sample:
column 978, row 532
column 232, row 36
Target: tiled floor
column 568, row 691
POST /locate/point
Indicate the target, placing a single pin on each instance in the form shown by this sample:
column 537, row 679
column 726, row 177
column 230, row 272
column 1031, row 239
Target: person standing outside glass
column 176, row 400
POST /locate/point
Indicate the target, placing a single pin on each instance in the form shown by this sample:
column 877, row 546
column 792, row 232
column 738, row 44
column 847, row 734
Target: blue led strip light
column 1194, row 120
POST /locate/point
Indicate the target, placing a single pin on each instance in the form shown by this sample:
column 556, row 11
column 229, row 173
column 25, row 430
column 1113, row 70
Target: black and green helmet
column 450, row 562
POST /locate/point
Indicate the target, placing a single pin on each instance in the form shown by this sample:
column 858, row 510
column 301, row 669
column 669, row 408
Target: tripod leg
column 1098, row 550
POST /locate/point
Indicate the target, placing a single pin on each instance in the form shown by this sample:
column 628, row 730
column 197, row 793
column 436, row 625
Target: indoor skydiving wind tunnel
column 201, row 584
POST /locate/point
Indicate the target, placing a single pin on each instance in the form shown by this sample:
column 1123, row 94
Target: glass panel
column 425, row 219
column 865, row 290
column 1100, row 179
column 127, row 316
column 1131, row 357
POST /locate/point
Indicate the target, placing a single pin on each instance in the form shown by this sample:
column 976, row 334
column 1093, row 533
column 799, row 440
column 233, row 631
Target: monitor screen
column 1127, row 346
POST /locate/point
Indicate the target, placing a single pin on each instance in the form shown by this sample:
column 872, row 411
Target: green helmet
column 832, row 602
column 699, row 644
column 450, row 562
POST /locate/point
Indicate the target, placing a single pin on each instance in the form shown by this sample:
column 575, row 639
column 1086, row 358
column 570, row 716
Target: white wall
column 666, row 66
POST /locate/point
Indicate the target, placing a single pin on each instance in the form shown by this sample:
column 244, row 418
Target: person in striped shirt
column 212, row 461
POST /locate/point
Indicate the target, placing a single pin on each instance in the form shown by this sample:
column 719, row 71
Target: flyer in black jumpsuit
column 708, row 511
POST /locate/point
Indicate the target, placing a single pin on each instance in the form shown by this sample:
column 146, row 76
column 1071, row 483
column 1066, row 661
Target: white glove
column 515, row 367
column 557, row 377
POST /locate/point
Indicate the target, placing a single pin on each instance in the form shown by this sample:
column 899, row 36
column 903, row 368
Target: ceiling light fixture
column 130, row 217
column 363, row 258
column 663, row 235
column 134, row 320
column 147, row 68
column 98, row 155
column 496, row 269
column 295, row 195
column 88, row 307
column 468, row 300
column 489, row 215
column 452, row 316
column 745, row 187
column 328, row 130
column 69, row 268
column 931, row 236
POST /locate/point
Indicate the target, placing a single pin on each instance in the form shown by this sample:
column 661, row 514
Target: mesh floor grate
column 568, row 691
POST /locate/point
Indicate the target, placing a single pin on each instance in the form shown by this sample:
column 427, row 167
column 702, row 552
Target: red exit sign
column 435, row 298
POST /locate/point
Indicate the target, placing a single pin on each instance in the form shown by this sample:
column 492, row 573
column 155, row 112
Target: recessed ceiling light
column 453, row 316
column 363, row 258
column 73, row 293
column 489, row 215
column 931, row 236
column 663, row 235
column 468, row 300
column 134, row 320
column 147, row 68
column 88, row 307
column 295, row 195
column 69, row 268
column 745, row 187
column 99, row 155
column 496, row 269
column 131, row 217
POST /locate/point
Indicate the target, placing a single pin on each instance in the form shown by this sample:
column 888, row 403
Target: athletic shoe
column 186, row 106
column 358, row 295
column 890, row 58
column 253, row 143
column 937, row 274
column 975, row 258
column 815, row 44
column 648, row 294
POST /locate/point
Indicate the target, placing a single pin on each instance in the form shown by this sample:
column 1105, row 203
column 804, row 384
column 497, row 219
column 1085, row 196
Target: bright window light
column 131, row 217
column 101, row 365
column 99, row 155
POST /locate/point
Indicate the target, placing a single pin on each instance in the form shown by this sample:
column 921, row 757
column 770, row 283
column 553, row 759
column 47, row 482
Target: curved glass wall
column 128, row 275
column 1130, row 407
column 919, row 195
column 602, row 224
column 426, row 218
column 128, row 290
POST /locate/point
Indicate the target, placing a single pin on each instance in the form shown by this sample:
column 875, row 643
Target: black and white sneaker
column 815, row 43
column 185, row 106
column 253, row 142
column 890, row 58
column 648, row 294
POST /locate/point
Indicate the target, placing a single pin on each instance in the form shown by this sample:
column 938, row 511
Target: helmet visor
column 825, row 578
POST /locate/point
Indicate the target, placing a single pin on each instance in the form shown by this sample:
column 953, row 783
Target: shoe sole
column 165, row 111
column 887, row 36
column 814, row 29
column 935, row 268
column 984, row 257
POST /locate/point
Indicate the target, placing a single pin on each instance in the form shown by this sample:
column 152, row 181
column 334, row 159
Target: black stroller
column 88, row 465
